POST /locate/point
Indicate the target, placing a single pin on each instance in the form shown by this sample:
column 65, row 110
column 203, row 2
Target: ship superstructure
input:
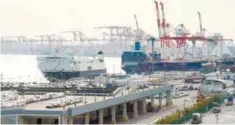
column 66, row 67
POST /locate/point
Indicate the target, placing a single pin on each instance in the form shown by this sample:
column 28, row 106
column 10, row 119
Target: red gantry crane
column 182, row 35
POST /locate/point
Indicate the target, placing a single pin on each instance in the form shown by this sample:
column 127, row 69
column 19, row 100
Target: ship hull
column 162, row 66
column 67, row 75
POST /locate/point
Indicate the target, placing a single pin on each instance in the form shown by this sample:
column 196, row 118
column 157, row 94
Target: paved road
column 148, row 118
column 152, row 116
column 227, row 116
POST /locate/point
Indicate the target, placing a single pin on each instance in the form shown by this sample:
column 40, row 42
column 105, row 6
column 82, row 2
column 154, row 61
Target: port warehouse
column 100, row 109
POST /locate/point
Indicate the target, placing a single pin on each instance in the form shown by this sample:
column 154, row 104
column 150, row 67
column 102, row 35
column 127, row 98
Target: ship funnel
column 137, row 45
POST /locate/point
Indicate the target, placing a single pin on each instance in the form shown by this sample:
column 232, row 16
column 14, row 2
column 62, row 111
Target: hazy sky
column 29, row 17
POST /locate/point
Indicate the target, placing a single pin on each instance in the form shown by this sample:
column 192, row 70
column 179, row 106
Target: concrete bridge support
column 113, row 113
column 152, row 100
column 87, row 118
column 144, row 105
column 101, row 116
column 135, row 108
column 168, row 98
column 125, row 117
column 160, row 100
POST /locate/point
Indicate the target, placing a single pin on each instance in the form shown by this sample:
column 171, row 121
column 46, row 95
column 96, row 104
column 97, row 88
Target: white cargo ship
column 66, row 67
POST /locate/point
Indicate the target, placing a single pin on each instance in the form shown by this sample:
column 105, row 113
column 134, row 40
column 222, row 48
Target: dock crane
column 180, row 40
column 200, row 24
column 77, row 34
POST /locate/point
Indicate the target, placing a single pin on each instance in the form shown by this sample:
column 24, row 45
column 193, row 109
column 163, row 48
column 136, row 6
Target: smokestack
column 158, row 19
column 163, row 19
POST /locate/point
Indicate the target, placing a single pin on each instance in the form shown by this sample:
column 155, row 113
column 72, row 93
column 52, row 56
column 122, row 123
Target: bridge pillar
column 152, row 100
column 160, row 100
column 168, row 98
column 113, row 113
column 101, row 115
column 125, row 117
column 144, row 110
column 135, row 108
column 87, row 118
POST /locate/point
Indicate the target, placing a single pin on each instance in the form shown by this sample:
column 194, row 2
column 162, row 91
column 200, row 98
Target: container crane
column 137, row 27
column 182, row 35
column 77, row 34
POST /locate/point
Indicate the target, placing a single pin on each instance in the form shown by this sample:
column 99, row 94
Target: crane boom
column 200, row 23
column 137, row 27
column 136, row 22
